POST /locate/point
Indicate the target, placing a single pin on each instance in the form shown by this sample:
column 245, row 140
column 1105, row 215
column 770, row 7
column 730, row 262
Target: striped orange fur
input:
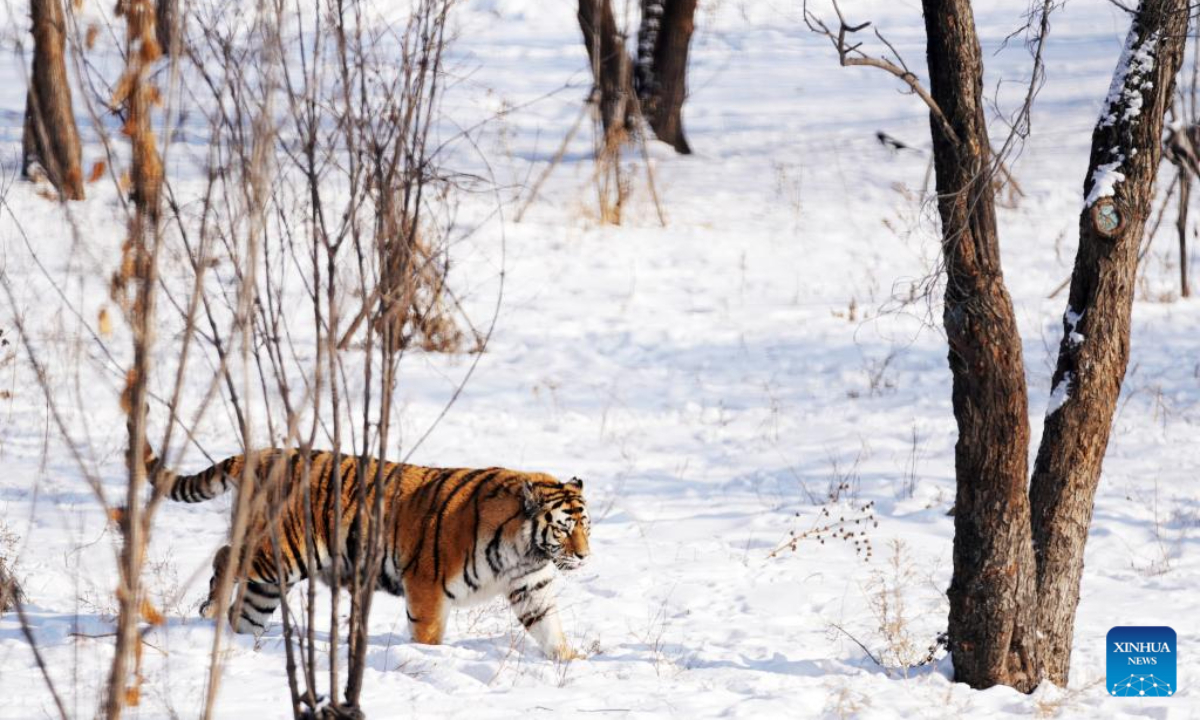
column 452, row 536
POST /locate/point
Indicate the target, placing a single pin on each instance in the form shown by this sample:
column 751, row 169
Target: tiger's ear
column 529, row 499
column 575, row 483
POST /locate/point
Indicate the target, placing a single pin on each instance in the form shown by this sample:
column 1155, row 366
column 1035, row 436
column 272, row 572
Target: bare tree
column 664, row 36
column 345, row 185
column 139, row 267
column 654, row 86
column 1181, row 229
column 612, row 70
column 617, row 105
column 1012, row 609
column 50, row 137
column 1094, row 352
column 1179, row 147
column 992, row 631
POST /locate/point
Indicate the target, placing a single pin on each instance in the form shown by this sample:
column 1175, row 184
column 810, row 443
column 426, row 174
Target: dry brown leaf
column 122, row 90
column 97, row 171
column 150, row 51
column 151, row 614
column 131, row 377
column 104, row 321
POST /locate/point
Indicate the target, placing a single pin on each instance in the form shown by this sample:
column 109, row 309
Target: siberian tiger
column 451, row 537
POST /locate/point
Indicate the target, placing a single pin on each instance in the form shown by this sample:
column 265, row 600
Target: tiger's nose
column 580, row 542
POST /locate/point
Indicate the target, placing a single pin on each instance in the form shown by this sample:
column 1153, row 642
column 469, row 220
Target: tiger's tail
column 204, row 485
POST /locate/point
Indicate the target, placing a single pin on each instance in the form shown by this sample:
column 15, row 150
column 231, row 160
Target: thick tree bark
column 991, row 630
column 50, row 135
column 611, row 66
column 663, row 40
column 1119, row 187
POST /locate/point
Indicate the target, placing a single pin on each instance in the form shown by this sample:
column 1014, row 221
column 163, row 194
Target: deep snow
column 707, row 379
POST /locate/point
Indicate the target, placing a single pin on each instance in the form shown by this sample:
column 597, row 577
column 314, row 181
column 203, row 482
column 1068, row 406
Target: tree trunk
column 1181, row 225
column 146, row 169
column 991, row 629
column 1126, row 149
column 611, row 68
column 141, row 258
column 663, row 39
column 165, row 13
column 50, row 135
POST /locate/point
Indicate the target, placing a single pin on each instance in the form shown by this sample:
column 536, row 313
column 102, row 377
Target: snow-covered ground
column 711, row 381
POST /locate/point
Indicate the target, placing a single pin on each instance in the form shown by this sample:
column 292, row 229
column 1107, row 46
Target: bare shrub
column 853, row 524
column 311, row 247
column 891, row 642
column 332, row 163
column 886, row 590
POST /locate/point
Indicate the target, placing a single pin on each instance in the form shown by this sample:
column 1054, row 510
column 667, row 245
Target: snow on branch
column 1123, row 105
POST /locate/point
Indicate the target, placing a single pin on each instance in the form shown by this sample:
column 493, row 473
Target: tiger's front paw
column 208, row 610
column 565, row 653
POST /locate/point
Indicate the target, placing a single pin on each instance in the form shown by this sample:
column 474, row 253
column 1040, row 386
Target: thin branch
column 852, row 56
column 855, row 640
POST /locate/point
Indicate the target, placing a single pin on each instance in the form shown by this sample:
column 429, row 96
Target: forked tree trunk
column 611, row 67
column 1119, row 188
column 50, row 136
column 991, row 630
column 663, row 39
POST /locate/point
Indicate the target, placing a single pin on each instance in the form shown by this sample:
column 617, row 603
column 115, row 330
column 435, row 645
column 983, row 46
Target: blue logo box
column 1141, row 662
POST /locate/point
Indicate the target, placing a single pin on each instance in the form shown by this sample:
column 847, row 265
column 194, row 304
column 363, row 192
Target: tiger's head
column 560, row 522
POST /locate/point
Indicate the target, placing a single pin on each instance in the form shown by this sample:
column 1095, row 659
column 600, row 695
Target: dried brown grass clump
column 10, row 589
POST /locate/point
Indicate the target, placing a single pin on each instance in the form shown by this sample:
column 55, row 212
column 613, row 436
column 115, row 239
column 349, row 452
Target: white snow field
column 710, row 380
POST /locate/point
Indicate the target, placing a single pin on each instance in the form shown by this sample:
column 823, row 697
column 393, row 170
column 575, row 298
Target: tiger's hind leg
column 258, row 605
column 532, row 599
column 208, row 608
column 260, row 600
column 427, row 612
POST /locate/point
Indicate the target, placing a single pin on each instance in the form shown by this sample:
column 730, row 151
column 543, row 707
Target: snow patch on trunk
column 1072, row 319
column 1123, row 104
column 1124, row 100
column 1060, row 394
column 1104, row 181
